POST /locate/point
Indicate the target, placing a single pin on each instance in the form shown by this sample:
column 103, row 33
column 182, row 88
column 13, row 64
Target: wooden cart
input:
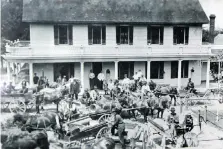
column 17, row 102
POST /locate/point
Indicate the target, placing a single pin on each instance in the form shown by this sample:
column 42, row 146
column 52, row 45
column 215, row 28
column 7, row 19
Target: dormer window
column 155, row 35
column 180, row 35
column 63, row 34
column 96, row 34
column 124, row 35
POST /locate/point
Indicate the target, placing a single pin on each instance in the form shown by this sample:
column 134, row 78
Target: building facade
column 161, row 38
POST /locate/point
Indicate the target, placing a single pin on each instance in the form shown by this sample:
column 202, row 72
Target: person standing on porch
column 71, row 79
column 135, row 77
column 139, row 74
column 91, row 79
column 35, row 79
column 59, row 80
column 64, row 80
column 101, row 78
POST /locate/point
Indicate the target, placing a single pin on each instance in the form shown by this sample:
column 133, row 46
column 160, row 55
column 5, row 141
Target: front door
column 97, row 68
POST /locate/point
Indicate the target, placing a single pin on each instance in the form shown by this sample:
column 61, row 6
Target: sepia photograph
column 111, row 74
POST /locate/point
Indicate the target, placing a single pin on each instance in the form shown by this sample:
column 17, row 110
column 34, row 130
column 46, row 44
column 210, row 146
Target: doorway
column 63, row 69
column 97, row 68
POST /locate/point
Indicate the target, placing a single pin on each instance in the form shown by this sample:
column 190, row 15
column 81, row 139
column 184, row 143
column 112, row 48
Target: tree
column 12, row 27
column 215, row 64
column 206, row 33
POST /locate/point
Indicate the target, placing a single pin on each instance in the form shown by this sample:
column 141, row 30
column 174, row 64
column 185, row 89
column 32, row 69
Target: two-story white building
column 162, row 38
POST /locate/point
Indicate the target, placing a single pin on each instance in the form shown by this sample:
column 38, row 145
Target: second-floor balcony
column 107, row 50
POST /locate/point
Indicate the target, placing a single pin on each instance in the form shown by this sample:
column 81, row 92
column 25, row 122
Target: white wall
column 195, row 35
column 47, row 68
column 110, row 35
column 41, row 34
column 80, row 35
column 168, row 35
column 204, row 72
column 140, row 35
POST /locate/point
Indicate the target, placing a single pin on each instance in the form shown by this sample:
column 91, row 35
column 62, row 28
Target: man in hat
column 173, row 121
column 188, row 122
column 10, row 87
column 164, row 101
column 119, row 125
column 74, row 90
column 35, row 78
column 190, row 85
column 86, row 97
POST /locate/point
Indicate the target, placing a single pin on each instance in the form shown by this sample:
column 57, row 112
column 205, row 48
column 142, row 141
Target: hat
column 164, row 90
column 95, row 87
column 172, row 109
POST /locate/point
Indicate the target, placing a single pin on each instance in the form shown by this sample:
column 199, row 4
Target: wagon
column 17, row 102
column 84, row 130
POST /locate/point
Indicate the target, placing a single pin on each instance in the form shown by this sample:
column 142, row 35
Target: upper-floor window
column 124, row 35
column 155, row 35
column 180, row 35
column 63, row 34
column 96, row 34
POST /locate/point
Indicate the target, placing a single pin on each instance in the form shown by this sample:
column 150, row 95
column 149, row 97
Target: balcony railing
column 110, row 51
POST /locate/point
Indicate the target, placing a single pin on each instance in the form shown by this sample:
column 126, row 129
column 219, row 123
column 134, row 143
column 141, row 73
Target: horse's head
column 20, row 118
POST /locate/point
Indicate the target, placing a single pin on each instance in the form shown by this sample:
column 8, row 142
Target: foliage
column 205, row 35
column 12, row 27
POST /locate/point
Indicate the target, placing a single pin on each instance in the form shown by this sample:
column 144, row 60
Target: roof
column 114, row 11
column 218, row 40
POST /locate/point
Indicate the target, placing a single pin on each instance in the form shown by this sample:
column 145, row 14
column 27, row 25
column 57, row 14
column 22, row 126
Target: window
column 63, row 34
column 124, row 35
column 157, row 70
column 174, row 69
column 180, row 35
column 154, row 35
column 184, row 69
column 96, row 34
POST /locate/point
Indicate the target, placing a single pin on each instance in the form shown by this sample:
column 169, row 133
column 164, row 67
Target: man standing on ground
column 35, row 79
column 74, row 89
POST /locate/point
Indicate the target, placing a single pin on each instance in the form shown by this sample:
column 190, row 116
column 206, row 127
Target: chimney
column 212, row 28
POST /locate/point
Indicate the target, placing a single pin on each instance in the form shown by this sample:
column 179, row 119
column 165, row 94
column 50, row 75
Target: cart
column 17, row 102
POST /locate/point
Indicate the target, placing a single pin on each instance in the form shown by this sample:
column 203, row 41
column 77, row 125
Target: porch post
column 179, row 74
column 148, row 70
column 116, row 69
column 208, row 73
column 8, row 71
column 82, row 74
column 31, row 74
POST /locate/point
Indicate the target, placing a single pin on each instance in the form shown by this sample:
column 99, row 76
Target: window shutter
column 161, row 35
column 70, row 34
column 90, row 41
column 56, row 38
column 186, row 35
column 149, row 35
column 174, row 35
column 118, row 35
column 131, row 35
column 103, row 35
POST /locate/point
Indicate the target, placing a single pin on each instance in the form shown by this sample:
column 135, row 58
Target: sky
column 214, row 7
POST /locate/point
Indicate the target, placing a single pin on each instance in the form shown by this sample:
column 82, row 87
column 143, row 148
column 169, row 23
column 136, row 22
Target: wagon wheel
column 103, row 132
column 31, row 103
column 16, row 106
column 104, row 118
column 72, row 144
